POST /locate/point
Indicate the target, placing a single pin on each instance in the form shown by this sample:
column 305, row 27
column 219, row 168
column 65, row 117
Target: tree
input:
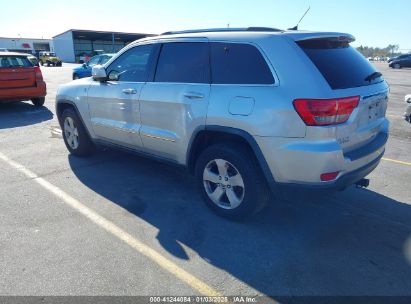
column 393, row 48
column 389, row 51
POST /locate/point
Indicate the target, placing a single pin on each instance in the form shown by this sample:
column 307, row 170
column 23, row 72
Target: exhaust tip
column 363, row 183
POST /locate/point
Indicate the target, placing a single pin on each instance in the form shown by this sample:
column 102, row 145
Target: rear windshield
column 14, row 62
column 341, row 65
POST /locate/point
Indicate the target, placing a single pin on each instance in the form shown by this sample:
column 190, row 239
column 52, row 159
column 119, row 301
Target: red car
column 20, row 80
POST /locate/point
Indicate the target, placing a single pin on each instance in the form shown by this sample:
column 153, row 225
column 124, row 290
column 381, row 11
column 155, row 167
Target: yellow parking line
column 116, row 231
column 396, row 161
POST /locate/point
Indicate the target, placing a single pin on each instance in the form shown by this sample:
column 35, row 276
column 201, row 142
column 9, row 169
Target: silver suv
column 245, row 110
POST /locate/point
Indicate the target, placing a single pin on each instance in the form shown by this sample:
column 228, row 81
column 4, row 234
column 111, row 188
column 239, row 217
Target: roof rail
column 228, row 29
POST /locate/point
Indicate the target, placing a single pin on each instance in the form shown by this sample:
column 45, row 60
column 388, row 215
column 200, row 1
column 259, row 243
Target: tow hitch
column 363, row 183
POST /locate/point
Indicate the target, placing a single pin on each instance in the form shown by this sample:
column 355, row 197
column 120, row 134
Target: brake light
column 39, row 75
column 325, row 112
column 326, row 177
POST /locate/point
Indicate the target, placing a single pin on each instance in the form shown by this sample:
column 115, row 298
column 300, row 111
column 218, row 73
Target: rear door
column 349, row 74
column 16, row 72
column 175, row 102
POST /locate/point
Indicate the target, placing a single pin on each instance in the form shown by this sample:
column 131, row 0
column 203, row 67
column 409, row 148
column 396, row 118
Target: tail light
column 325, row 112
column 39, row 75
column 326, row 177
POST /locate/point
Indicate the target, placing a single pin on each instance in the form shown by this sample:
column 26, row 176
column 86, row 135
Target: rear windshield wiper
column 373, row 76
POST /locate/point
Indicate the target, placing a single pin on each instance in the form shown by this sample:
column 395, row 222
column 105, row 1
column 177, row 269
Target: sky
column 373, row 23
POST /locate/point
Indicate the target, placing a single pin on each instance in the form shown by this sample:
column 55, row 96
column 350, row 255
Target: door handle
column 193, row 95
column 129, row 91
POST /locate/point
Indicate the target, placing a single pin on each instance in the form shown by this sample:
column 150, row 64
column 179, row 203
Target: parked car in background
column 3, row 50
column 403, row 62
column 33, row 59
column 49, row 58
column 245, row 110
column 85, row 69
column 407, row 114
column 20, row 79
column 398, row 57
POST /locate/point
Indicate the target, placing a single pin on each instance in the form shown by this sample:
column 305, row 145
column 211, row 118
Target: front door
column 114, row 106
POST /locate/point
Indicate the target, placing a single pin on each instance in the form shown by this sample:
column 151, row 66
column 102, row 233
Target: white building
column 26, row 45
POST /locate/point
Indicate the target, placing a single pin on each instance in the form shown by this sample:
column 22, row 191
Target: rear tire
column 75, row 135
column 230, row 181
column 38, row 102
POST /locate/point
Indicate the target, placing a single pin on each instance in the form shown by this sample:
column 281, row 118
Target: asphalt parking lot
column 118, row 224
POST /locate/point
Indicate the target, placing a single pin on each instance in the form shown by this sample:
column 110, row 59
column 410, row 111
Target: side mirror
column 84, row 65
column 99, row 73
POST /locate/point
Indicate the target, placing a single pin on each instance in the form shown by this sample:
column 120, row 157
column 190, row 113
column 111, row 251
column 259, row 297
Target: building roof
column 23, row 38
column 104, row 35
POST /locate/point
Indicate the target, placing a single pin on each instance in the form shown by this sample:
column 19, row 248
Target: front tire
column 397, row 66
column 75, row 135
column 76, row 76
column 230, row 181
column 38, row 102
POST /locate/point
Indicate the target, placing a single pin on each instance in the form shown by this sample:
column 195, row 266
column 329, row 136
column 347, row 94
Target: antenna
column 295, row 28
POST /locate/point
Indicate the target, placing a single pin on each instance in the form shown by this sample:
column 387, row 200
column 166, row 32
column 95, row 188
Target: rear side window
column 233, row 63
column 14, row 62
column 183, row 62
column 341, row 65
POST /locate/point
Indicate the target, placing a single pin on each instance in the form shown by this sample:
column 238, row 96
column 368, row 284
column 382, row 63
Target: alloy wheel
column 71, row 133
column 223, row 184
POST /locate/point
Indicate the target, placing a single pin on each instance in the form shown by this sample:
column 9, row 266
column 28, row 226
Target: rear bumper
column 297, row 163
column 24, row 93
column 341, row 183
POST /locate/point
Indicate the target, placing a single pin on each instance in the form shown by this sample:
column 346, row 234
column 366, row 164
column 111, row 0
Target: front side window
column 183, row 62
column 234, row 63
column 136, row 64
